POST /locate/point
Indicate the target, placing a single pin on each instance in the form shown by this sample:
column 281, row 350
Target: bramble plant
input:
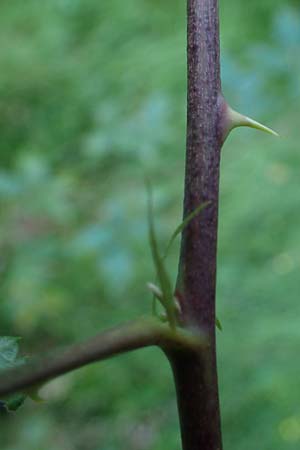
column 186, row 328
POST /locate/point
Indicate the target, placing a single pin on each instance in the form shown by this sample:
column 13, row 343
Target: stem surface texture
column 196, row 374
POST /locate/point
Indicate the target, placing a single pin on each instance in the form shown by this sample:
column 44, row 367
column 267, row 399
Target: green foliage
column 9, row 349
column 92, row 94
column 14, row 402
column 9, row 359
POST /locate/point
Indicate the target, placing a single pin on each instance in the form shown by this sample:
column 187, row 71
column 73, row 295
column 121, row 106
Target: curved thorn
column 238, row 120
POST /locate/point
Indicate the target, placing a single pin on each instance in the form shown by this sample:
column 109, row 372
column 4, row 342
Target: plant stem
column 197, row 398
column 106, row 344
column 198, row 252
column 196, row 375
column 139, row 334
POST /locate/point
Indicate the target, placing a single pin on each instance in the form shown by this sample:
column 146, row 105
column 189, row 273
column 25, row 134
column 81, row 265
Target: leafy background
column 92, row 96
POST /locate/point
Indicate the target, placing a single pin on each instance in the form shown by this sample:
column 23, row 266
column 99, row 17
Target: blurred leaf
column 15, row 401
column 9, row 349
column 9, row 359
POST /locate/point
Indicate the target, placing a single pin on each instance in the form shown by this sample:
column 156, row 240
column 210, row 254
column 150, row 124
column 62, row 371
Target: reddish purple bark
column 196, row 374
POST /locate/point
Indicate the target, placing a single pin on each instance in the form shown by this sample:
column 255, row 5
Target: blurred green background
column 92, row 96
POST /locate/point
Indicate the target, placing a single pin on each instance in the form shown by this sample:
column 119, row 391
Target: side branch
column 142, row 333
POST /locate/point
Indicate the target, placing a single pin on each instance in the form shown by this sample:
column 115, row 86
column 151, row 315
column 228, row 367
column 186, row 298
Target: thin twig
column 139, row 334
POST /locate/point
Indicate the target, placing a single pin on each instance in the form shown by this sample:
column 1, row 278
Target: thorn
column 218, row 324
column 258, row 126
column 235, row 119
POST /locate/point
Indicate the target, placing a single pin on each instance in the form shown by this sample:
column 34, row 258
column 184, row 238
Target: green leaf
column 183, row 225
column 9, row 349
column 9, row 359
column 162, row 275
column 15, row 401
